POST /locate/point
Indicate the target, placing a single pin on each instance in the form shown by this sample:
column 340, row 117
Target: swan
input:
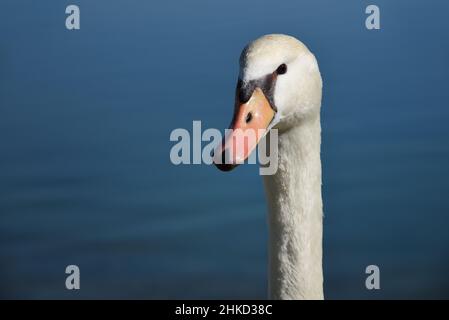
column 280, row 87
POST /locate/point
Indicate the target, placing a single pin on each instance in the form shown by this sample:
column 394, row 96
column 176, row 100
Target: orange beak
column 249, row 125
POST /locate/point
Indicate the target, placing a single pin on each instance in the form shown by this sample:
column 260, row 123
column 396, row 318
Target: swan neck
column 295, row 215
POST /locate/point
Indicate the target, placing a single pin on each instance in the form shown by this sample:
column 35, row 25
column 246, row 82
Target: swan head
column 279, row 85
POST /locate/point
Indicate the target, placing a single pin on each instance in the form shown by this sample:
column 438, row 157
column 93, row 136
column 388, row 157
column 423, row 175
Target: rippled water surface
column 85, row 174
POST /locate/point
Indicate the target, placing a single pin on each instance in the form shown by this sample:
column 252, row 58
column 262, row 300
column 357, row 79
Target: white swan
column 280, row 87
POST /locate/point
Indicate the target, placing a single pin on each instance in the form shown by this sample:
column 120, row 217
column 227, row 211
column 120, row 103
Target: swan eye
column 281, row 69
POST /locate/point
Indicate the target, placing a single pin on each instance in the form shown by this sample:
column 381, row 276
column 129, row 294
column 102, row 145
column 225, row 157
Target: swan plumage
column 295, row 209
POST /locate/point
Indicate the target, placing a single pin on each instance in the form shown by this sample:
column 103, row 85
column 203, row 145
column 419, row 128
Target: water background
column 85, row 174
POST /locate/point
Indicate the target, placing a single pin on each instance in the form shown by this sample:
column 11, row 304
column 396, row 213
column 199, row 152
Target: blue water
column 85, row 174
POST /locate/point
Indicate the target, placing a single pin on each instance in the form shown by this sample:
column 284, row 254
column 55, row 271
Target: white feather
column 294, row 192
